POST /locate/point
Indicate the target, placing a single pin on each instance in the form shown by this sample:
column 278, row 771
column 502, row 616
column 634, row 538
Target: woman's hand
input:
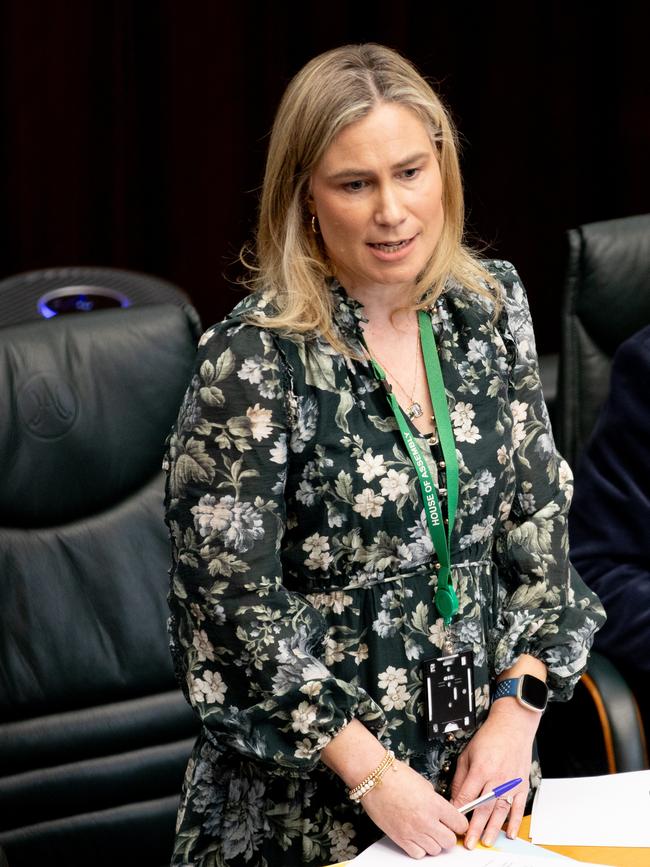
column 405, row 806
column 408, row 809
column 501, row 750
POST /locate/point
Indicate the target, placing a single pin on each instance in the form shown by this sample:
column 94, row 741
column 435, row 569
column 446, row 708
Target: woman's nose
column 390, row 210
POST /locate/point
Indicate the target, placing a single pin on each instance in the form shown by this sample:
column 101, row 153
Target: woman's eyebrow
column 355, row 172
column 413, row 158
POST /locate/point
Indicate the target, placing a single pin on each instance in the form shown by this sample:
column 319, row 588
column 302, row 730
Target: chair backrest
column 94, row 734
column 607, row 300
column 46, row 292
column 598, row 732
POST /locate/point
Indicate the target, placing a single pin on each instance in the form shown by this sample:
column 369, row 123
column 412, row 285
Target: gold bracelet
column 373, row 779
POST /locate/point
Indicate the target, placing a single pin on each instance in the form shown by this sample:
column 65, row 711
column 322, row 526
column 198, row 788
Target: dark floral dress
column 303, row 571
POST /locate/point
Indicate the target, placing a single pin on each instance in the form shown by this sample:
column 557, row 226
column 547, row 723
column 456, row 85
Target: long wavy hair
column 288, row 261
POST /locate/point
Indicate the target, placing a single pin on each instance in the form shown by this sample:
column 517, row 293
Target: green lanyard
column 445, row 599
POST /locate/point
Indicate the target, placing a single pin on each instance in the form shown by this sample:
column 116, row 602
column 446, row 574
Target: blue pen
column 497, row 792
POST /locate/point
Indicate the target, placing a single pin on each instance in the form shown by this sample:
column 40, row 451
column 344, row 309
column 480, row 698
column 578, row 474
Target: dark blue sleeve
column 609, row 522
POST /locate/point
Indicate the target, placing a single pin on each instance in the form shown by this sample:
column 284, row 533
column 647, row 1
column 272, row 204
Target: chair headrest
column 86, row 402
column 609, row 279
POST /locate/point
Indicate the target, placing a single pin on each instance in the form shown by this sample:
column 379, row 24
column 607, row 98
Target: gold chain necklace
column 413, row 410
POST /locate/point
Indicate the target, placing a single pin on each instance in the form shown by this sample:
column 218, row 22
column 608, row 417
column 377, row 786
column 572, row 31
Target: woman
column 341, row 520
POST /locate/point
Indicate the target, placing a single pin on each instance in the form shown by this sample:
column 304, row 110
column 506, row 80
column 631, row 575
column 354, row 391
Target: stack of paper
column 612, row 810
column 505, row 853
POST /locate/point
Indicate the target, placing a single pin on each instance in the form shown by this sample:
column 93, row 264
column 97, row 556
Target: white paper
column 385, row 853
column 612, row 810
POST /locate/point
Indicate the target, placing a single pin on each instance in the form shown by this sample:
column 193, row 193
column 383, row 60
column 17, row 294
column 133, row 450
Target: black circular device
column 52, row 292
column 80, row 299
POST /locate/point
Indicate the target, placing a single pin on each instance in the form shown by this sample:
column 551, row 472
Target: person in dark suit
column 609, row 524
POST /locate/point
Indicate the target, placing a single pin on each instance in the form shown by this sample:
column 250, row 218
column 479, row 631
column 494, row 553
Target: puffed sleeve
column 545, row 609
column 246, row 648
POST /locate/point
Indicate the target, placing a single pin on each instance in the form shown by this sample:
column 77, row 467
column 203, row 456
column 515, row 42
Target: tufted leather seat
column 94, row 734
column 607, row 300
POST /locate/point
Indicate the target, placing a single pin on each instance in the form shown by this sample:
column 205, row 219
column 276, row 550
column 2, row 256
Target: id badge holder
column 449, row 694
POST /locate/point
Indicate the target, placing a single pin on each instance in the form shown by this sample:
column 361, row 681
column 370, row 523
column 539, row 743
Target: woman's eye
column 354, row 186
column 409, row 174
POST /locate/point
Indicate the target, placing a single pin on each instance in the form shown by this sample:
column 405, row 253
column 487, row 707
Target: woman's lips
column 391, row 251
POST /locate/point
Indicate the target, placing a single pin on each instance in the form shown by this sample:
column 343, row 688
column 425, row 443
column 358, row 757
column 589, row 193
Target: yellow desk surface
column 616, row 857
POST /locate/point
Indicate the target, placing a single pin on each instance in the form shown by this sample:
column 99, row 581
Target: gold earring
column 314, row 228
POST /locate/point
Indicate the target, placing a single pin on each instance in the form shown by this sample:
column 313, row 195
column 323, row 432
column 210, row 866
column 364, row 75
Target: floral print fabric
column 303, row 571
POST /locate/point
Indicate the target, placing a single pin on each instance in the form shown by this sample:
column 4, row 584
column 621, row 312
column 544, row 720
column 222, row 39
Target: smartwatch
column 530, row 691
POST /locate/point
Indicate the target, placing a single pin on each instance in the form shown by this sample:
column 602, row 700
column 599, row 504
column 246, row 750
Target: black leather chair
column 607, row 300
column 94, row 733
column 598, row 732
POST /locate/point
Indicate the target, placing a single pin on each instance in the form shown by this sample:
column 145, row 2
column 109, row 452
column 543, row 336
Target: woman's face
column 377, row 193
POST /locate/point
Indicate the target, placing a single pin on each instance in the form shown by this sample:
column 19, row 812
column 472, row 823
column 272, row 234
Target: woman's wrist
column 525, row 664
column 374, row 778
column 353, row 754
column 508, row 711
column 508, row 708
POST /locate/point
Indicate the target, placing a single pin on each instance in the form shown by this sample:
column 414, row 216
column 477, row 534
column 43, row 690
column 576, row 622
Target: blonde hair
column 333, row 90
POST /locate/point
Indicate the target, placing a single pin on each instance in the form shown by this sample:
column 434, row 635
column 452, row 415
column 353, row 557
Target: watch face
column 534, row 691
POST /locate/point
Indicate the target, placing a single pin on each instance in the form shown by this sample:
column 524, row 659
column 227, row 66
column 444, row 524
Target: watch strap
column 505, row 688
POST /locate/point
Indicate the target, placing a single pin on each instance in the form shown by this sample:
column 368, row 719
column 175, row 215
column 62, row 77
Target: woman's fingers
column 443, row 836
column 494, row 821
column 413, row 850
column 418, row 843
column 431, row 843
column 487, row 821
column 477, row 823
column 516, row 814
column 408, row 809
column 452, row 819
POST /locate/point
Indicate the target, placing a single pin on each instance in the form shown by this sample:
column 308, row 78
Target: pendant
column 433, row 439
column 414, row 410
